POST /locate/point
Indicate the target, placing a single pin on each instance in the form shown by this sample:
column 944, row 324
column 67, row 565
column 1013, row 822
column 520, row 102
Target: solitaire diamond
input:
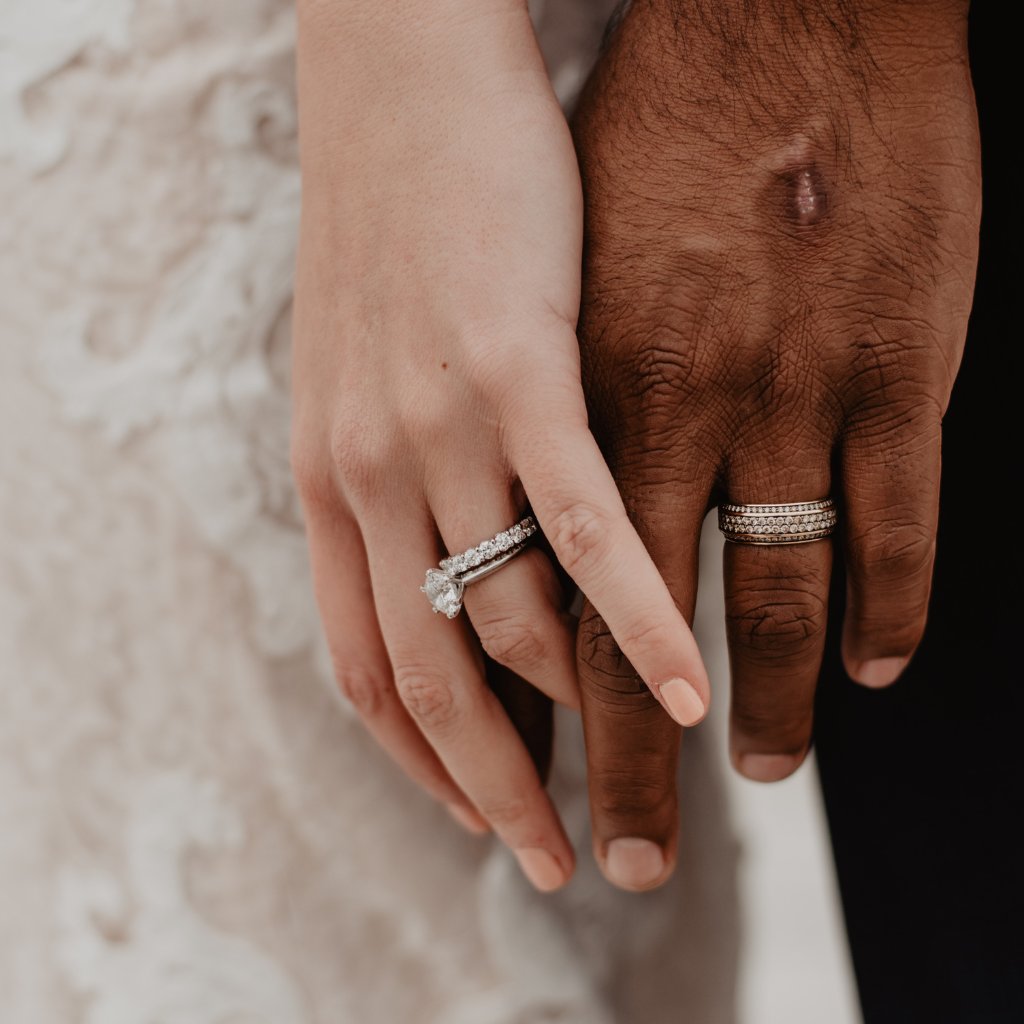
column 445, row 585
column 443, row 592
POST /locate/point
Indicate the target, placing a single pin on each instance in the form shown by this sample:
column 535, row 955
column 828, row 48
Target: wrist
column 704, row 74
column 368, row 33
column 381, row 76
column 786, row 37
column 892, row 20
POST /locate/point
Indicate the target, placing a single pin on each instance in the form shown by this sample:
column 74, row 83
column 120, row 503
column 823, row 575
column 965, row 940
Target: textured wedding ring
column 444, row 585
column 797, row 523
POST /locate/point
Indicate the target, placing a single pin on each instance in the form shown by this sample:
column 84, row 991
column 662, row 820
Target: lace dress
column 194, row 828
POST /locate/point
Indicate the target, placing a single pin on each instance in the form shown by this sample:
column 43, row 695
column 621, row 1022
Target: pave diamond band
column 444, row 586
column 797, row 523
column 488, row 549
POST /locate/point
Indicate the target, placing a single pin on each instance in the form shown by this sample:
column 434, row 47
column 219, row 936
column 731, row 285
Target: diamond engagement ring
column 778, row 524
column 445, row 584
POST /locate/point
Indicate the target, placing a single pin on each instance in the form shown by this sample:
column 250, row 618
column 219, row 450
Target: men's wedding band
column 798, row 523
column 444, row 585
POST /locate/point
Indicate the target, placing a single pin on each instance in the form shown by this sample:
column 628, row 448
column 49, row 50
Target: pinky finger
column 892, row 504
column 341, row 582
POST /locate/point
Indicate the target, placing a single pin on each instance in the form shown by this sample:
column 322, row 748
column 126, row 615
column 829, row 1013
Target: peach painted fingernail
column 767, row 767
column 634, row 863
column 471, row 821
column 879, row 671
column 543, row 871
column 683, row 701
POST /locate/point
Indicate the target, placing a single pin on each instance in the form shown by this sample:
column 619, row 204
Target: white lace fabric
column 195, row 830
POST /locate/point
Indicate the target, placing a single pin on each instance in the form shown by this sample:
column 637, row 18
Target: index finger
column 574, row 498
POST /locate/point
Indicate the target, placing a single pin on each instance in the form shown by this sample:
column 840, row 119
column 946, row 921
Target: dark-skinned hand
column 782, row 207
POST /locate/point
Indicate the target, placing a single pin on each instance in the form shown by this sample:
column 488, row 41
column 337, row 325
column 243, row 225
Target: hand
column 782, row 217
column 437, row 392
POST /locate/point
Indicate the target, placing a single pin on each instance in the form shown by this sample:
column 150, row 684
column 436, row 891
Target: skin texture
column 782, row 208
column 437, row 391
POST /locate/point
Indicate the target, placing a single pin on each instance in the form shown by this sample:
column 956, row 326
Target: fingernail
column 767, row 767
column 634, row 863
column 879, row 671
column 471, row 821
column 684, row 703
column 543, row 871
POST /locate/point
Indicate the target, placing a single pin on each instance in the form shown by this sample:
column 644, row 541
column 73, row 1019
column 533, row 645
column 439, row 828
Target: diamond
column 443, row 592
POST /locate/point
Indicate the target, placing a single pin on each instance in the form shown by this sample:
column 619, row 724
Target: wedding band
column 444, row 585
column 778, row 524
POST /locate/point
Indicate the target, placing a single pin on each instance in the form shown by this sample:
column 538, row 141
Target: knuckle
column 360, row 689
column 896, row 622
column 428, row 697
column 578, row 535
column 631, row 793
column 428, row 419
column 506, row 813
column 311, row 473
column 661, row 373
column 650, row 634
column 780, row 725
column 595, row 642
column 610, row 679
column 361, row 459
column 776, row 623
column 904, row 425
column 890, row 552
column 512, row 643
column 889, row 350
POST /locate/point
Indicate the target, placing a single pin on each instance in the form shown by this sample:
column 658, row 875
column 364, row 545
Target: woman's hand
column 437, row 392
column 782, row 218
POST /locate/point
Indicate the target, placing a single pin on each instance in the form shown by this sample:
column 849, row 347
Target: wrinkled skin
column 782, row 208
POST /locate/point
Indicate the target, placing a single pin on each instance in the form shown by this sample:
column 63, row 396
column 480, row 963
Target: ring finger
column 519, row 613
column 776, row 598
column 439, row 677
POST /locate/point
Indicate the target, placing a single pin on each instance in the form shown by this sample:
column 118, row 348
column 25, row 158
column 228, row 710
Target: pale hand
column 437, row 392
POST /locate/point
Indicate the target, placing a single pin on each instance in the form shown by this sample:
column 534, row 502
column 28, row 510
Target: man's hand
column 782, row 212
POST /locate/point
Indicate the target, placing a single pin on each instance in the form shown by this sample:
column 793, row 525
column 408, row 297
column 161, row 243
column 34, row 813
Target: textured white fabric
column 194, row 829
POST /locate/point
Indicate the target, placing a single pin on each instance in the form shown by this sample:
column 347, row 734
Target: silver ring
column 444, row 585
column 797, row 523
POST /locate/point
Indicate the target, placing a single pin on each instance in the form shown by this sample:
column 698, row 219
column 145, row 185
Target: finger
column 577, row 504
column 632, row 745
column 520, row 612
column 891, row 469
column 776, row 603
column 361, row 667
column 439, row 679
